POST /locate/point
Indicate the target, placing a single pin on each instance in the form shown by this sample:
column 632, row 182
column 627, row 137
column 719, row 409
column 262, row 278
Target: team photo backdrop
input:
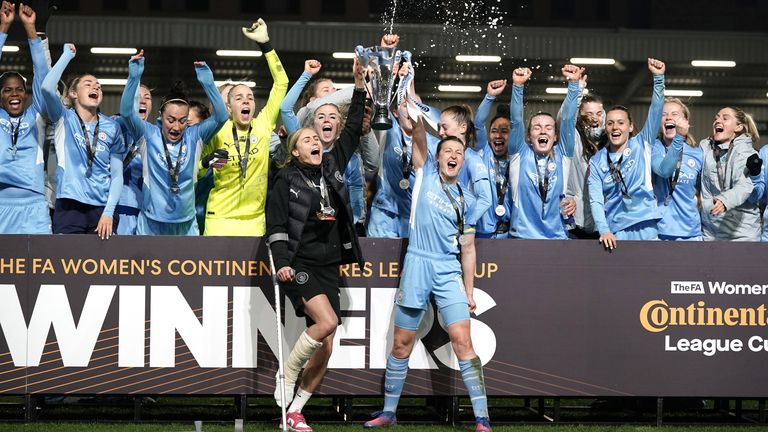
column 175, row 315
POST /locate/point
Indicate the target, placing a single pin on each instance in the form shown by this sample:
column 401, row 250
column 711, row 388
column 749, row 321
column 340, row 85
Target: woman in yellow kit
column 239, row 195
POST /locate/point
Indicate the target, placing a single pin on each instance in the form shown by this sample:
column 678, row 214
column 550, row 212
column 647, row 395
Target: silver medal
column 463, row 240
column 405, row 184
column 668, row 199
column 500, row 210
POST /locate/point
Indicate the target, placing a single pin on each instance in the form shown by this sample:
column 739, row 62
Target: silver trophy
column 382, row 63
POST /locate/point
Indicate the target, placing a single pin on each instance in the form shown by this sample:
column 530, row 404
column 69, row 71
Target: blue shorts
column 410, row 318
column 74, row 217
column 129, row 217
column 493, row 235
column 147, row 226
column 676, row 238
column 645, row 230
column 428, row 274
column 384, row 224
column 25, row 216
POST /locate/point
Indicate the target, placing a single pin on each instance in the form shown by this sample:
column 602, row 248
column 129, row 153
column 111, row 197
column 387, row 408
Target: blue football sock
column 472, row 373
column 394, row 379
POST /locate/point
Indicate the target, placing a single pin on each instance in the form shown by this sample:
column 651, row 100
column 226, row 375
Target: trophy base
column 381, row 121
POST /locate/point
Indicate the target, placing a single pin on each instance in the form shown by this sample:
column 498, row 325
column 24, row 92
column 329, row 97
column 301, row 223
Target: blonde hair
column 750, row 128
column 290, row 146
column 230, row 96
column 687, row 114
column 342, row 117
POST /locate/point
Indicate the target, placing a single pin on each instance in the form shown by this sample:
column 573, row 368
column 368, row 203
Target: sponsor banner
column 163, row 315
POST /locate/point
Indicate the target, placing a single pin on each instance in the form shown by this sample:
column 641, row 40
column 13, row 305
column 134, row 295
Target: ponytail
column 463, row 114
column 750, row 128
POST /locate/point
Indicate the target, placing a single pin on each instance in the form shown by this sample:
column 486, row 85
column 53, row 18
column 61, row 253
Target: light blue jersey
column 21, row 139
column 617, row 206
column 354, row 179
column 491, row 224
column 763, row 196
column 161, row 203
column 98, row 182
column 481, row 116
column 131, row 195
column 495, row 223
column 537, row 182
column 23, row 208
column 473, row 175
column 434, row 222
column 353, row 174
column 679, row 207
column 431, row 267
column 290, row 120
column 385, row 220
column 382, row 222
column 397, row 166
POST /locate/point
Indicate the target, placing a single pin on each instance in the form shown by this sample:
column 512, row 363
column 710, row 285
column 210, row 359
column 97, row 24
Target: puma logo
column 295, row 193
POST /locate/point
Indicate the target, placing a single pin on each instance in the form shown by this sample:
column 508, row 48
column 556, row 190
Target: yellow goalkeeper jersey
column 235, row 195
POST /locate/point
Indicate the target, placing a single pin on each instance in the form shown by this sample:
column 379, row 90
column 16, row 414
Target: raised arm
column 349, row 139
column 39, row 61
column 582, row 86
column 291, row 122
column 128, row 111
column 493, row 90
column 209, row 126
column 28, row 18
column 271, row 109
column 651, row 126
column 7, row 14
column 53, row 105
column 419, row 150
column 570, row 107
column 517, row 129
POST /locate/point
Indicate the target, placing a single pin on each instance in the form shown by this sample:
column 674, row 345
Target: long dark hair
column 589, row 145
column 176, row 95
column 502, row 112
column 309, row 91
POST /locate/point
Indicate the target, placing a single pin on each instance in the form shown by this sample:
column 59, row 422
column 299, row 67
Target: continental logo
column 657, row 316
